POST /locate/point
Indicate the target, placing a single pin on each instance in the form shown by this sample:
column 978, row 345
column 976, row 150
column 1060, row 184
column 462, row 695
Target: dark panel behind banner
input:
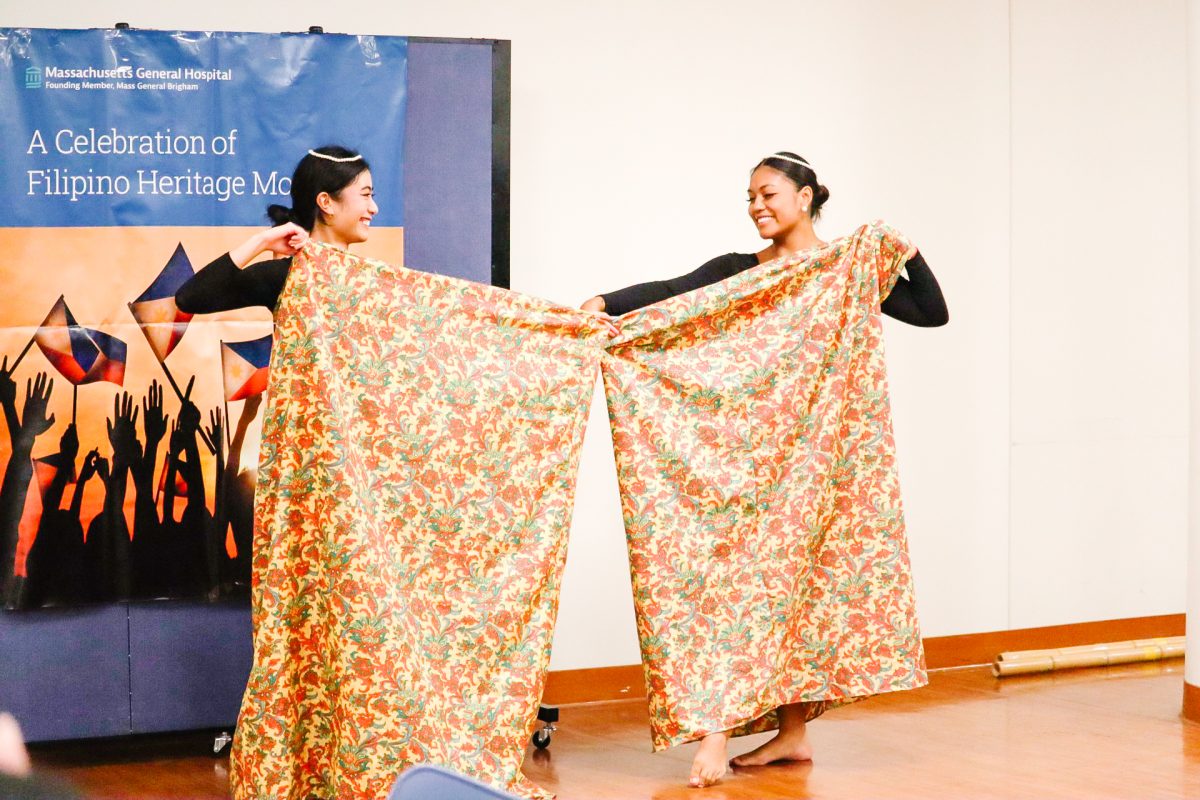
column 64, row 674
column 448, row 159
column 69, row 674
column 198, row 681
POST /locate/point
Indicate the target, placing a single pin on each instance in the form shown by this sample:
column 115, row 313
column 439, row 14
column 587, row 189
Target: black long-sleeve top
column 916, row 300
column 222, row 286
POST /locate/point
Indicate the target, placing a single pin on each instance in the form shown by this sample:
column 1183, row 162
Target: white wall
column 1099, row 309
column 1034, row 150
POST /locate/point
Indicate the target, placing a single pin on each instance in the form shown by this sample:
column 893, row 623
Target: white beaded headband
column 335, row 159
column 782, row 157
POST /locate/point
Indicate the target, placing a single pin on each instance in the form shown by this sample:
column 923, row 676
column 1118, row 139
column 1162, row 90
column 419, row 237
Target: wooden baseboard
column 591, row 685
column 970, row 649
column 941, row 652
column 1191, row 702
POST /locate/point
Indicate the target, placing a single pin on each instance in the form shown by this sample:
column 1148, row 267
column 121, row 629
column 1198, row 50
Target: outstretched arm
column 643, row 294
column 225, row 285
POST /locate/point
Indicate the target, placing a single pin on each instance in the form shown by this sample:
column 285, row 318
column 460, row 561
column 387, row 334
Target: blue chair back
column 429, row 782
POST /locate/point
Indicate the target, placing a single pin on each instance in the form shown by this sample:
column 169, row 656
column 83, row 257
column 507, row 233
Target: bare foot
column 790, row 746
column 709, row 764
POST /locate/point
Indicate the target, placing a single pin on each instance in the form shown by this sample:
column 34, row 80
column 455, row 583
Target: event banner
column 130, row 160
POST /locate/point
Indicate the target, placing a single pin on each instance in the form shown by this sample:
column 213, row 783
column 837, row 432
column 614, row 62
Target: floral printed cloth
column 754, row 450
column 418, row 465
column 416, row 483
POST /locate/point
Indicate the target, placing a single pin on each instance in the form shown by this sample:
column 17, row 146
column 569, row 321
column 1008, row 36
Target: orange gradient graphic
column 99, row 272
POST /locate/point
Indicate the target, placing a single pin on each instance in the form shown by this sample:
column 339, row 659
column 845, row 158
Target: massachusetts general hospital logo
column 33, row 78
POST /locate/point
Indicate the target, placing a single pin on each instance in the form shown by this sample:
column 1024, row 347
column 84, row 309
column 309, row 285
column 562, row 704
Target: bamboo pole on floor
column 1026, row 662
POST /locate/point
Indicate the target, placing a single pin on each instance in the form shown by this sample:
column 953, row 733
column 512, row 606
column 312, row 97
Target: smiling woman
column 332, row 197
column 782, row 189
column 333, row 201
column 784, row 198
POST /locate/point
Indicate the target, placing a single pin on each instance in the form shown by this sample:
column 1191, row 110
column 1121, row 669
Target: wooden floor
column 1101, row 733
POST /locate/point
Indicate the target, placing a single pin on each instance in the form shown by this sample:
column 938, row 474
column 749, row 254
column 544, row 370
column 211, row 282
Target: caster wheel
column 541, row 738
column 221, row 743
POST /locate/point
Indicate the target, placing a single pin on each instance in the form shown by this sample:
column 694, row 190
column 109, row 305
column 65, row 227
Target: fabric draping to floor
column 418, row 465
column 755, row 456
column 418, row 469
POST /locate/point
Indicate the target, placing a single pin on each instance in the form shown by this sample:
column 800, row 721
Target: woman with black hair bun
column 784, row 198
column 333, row 201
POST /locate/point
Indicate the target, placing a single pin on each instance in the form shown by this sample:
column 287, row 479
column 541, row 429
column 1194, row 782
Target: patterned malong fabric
column 762, row 510
column 418, row 468
column 418, row 465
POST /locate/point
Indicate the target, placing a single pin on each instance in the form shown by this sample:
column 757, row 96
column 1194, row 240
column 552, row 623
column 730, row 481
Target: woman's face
column 775, row 202
column 348, row 216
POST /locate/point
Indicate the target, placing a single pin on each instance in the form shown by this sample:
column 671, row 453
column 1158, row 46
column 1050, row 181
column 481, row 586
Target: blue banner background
column 280, row 93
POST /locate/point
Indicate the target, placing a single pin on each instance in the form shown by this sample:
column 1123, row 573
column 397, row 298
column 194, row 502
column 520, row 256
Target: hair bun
column 280, row 215
column 820, row 196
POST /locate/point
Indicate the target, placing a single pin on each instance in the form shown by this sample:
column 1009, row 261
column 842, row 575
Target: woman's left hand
column 285, row 240
column 596, row 306
column 282, row 240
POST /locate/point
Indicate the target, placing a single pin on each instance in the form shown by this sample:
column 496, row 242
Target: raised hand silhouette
column 189, row 422
column 102, row 469
column 175, row 446
column 8, row 399
column 108, row 547
column 94, row 465
column 187, row 537
column 238, row 492
column 34, row 421
column 216, row 435
column 149, row 548
column 68, row 443
column 68, row 448
column 8, row 387
column 17, row 474
column 90, row 467
column 122, row 432
column 214, row 539
column 55, row 564
column 154, row 421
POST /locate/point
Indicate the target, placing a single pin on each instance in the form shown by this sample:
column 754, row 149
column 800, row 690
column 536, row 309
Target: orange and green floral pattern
column 418, row 464
column 754, row 451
